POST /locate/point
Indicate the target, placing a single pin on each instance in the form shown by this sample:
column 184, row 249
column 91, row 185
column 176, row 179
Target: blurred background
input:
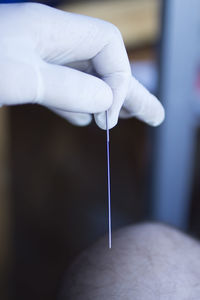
column 53, row 184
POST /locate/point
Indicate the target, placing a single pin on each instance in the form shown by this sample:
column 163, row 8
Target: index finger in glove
column 143, row 105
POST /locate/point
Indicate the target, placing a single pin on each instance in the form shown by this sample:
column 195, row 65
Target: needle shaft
column 108, row 177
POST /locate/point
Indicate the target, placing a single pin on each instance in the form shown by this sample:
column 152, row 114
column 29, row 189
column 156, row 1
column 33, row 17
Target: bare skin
column 146, row 262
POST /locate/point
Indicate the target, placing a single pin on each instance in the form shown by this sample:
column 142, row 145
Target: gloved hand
column 73, row 64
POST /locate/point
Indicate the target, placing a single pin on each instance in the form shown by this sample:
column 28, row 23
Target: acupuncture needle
column 108, row 177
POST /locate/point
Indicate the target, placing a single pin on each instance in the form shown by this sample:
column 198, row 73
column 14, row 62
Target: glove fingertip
column 100, row 120
column 159, row 116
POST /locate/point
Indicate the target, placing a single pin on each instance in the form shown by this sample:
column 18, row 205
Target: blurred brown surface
column 138, row 20
column 5, row 205
column 195, row 199
column 59, row 192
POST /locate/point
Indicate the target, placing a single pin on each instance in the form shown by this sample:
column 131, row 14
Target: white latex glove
column 73, row 64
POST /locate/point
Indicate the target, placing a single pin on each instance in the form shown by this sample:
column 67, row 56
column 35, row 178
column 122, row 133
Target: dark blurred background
column 53, row 183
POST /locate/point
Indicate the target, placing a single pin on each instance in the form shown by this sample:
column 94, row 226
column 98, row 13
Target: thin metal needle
column 108, row 176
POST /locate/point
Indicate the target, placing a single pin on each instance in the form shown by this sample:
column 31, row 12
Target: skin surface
column 147, row 262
